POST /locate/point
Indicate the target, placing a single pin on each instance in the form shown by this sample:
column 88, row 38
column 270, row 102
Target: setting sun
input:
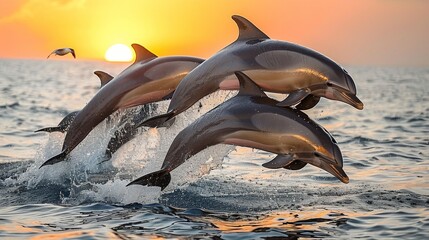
column 119, row 53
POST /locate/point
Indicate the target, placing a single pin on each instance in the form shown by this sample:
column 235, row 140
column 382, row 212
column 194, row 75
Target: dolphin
column 149, row 79
column 64, row 124
column 63, row 51
column 251, row 119
column 276, row 66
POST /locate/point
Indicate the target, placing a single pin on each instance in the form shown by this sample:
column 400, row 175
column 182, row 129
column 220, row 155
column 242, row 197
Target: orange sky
column 364, row 32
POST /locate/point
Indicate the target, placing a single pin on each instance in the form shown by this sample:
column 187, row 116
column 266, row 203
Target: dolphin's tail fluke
column 159, row 178
column 56, row 159
column 50, row 129
column 157, row 121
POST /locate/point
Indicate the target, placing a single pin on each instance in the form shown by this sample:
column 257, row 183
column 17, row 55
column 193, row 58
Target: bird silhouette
column 63, row 51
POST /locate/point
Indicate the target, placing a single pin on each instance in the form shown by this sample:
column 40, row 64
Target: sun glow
column 119, row 53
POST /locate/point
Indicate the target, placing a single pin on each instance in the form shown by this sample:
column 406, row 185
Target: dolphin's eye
column 329, row 84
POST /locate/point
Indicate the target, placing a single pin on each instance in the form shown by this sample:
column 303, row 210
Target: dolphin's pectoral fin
column 248, row 86
column 308, row 102
column 56, row 159
column 157, row 121
column 279, row 161
column 319, row 160
column 159, row 178
column 294, row 98
column 50, row 129
column 285, row 161
column 247, row 30
column 295, row 165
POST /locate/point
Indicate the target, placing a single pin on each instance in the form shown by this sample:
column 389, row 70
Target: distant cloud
column 10, row 8
column 21, row 9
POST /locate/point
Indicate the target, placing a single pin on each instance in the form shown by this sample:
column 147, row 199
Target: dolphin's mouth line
column 332, row 168
column 324, row 157
column 337, row 172
column 349, row 98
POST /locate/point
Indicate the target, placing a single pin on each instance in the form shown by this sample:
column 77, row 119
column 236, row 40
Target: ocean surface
column 223, row 192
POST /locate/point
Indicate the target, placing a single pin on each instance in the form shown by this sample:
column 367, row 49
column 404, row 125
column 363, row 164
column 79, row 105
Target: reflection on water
column 159, row 222
column 222, row 192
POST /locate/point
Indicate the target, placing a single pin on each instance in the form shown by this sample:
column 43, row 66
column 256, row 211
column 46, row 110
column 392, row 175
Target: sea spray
column 87, row 176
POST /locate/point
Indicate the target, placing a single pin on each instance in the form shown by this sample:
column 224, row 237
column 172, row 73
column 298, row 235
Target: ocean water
column 222, row 192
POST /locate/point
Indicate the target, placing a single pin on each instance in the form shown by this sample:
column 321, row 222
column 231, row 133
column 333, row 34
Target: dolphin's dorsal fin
column 142, row 53
column 247, row 30
column 104, row 77
column 248, row 86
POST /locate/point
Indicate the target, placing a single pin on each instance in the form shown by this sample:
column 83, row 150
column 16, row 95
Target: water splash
column 87, row 177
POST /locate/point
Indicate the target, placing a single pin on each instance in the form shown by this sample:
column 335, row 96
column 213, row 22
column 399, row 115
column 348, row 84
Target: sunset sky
column 364, row 32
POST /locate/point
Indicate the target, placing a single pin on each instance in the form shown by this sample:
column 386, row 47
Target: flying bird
column 63, row 51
